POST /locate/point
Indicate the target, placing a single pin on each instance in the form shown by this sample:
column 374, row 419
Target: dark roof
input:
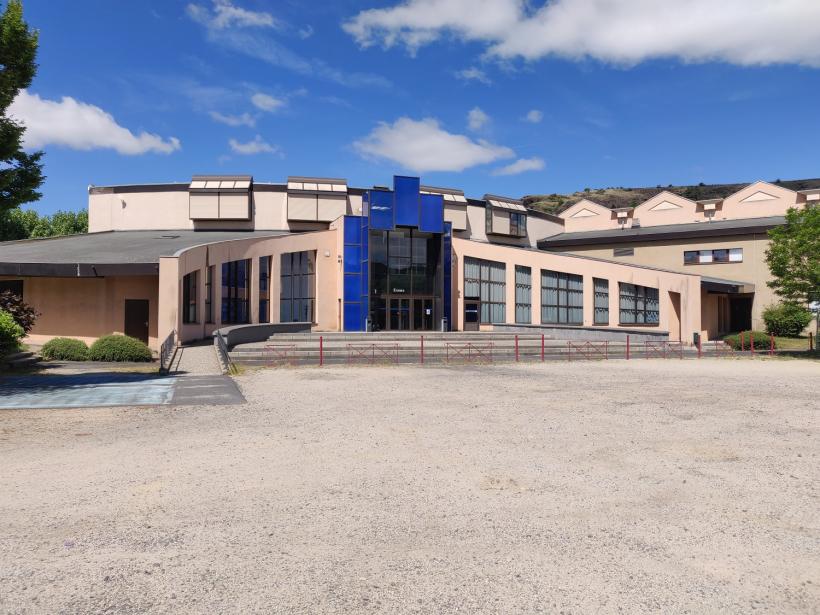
column 667, row 231
column 107, row 253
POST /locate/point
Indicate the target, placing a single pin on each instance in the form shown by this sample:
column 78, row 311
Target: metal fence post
column 542, row 347
column 742, row 346
column 771, row 344
column 516, row 348
column 569, row 351
column 321, row 350
column 627, row 348
column 422, row 349
column 606, row 350
column 751, row 342
column 700, row 348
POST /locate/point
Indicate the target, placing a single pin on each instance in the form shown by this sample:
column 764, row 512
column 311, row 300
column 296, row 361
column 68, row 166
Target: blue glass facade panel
column 407, row 200
column 355, row 273
column 353, row 258
column 432, row 213
column 381, row 210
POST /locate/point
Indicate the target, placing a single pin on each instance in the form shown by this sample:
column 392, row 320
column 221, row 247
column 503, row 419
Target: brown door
column 136, row 318
column 472, row 310
column 674, row 317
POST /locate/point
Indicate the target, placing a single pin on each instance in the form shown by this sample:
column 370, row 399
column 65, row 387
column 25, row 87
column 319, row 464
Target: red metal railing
column 662, row 349
column 280, row 354
column 372, row 353
column 723, row 349
column 469, row 352
column 588, row 350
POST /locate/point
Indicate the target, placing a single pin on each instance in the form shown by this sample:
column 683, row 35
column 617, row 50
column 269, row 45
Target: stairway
column 453, row 348
column 20, row 360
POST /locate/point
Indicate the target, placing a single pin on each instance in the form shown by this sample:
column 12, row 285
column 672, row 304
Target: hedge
column 10, row 333
column 65, row 349
column 787, row 319
column 762, row 341
column 119, row 348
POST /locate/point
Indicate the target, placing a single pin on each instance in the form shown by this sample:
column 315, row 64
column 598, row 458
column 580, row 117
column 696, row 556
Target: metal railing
column 588, row 350
column 281, row 354
column 167, row 351
column 662, row 350
column 469, row 353
column 223, row 354
column 372, row 353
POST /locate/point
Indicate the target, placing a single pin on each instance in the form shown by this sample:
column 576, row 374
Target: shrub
column 119, row 348
column 761, row 340
column 65, row 349
column 10, row 332
column 22, row 312
column 787, row 319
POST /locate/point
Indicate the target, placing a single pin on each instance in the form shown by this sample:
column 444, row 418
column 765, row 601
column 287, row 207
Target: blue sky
column 492, row 96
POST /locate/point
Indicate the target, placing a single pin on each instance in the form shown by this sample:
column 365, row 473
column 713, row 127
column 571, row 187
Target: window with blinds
column 601, row 292
column 486, row 280
column 562, row 298
column 523, row 295
column 638, row 305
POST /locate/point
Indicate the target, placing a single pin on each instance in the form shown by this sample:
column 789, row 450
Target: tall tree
column 21, row 174
column 794, row 256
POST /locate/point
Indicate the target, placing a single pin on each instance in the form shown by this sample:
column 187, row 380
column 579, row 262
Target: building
column 722, row 240
column 189, row 258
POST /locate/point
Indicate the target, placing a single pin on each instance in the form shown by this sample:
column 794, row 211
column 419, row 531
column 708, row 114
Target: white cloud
column 257, row 146
column 246, row 119
column 522, row 165
column 623, row 32
column 266, row 102
column 248, row 32
column 473, row 74
column 305, row 32
column 78, row 125
column 422, row 145
column 226, row 15
column 477, row 119
column 534, row 116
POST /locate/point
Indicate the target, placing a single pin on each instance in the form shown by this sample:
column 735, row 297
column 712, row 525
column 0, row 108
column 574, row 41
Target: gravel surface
column 648, row 486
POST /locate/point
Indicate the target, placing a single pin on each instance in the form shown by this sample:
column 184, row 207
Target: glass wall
column 264, row 288
column 209, row 293
column 486, row 281
column 523, row 294
column 189, row 297
column 297, row 296
column 235, row 291
column 562, row 298
column 601, row 289
column 638, row 305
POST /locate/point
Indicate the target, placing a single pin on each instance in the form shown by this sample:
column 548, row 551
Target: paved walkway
column 197, row 359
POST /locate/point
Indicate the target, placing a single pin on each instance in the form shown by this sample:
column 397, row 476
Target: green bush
column 761, row 339
column 788, row 319
column 10, row 333
column 119, row 348
column 65, row 349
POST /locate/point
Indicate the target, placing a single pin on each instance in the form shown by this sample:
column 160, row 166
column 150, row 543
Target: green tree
column 21, row 174
column 25, row 224
column 794, row 256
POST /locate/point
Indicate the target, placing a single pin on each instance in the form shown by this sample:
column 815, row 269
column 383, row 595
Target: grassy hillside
column 630, row 197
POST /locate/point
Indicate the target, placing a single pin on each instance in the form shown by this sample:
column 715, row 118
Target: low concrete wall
column 586, row 333
column 245, row 334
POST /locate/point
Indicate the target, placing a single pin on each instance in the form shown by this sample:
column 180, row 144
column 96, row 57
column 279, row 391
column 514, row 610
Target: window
column 209, row 294
column 705, row 257
column 518, row 224
column 486, row 280
column 623, row 252
column 601, row 290
column 189, row 297
column 297, row 301
column 14, row 286
column 235, row 293
column 264, row 288
column 488, row 219
column 639, row 305
column 523, row 294
column 562, row 298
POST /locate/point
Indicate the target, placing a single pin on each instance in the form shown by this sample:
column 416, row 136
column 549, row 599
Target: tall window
column 488, row 220
column 518, row 224
column 486, row 280
column 639, row 305
column 562, row 298
column 209, row 294
column 189, row 297
column 235, row 291
column 297, row 301
column 264, row 288
column 601, row 289
column 523, row 294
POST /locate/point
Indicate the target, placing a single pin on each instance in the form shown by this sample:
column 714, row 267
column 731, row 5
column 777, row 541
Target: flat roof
column 667, row 231
column 106, row 253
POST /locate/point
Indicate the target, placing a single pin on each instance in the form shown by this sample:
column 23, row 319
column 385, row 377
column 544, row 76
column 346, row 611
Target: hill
column 615, row 197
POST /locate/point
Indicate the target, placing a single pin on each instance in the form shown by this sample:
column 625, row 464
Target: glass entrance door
column 423, row 314
column 399, row 314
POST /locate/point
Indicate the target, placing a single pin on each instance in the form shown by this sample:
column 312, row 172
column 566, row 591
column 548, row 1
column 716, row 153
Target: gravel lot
column 648, row 486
